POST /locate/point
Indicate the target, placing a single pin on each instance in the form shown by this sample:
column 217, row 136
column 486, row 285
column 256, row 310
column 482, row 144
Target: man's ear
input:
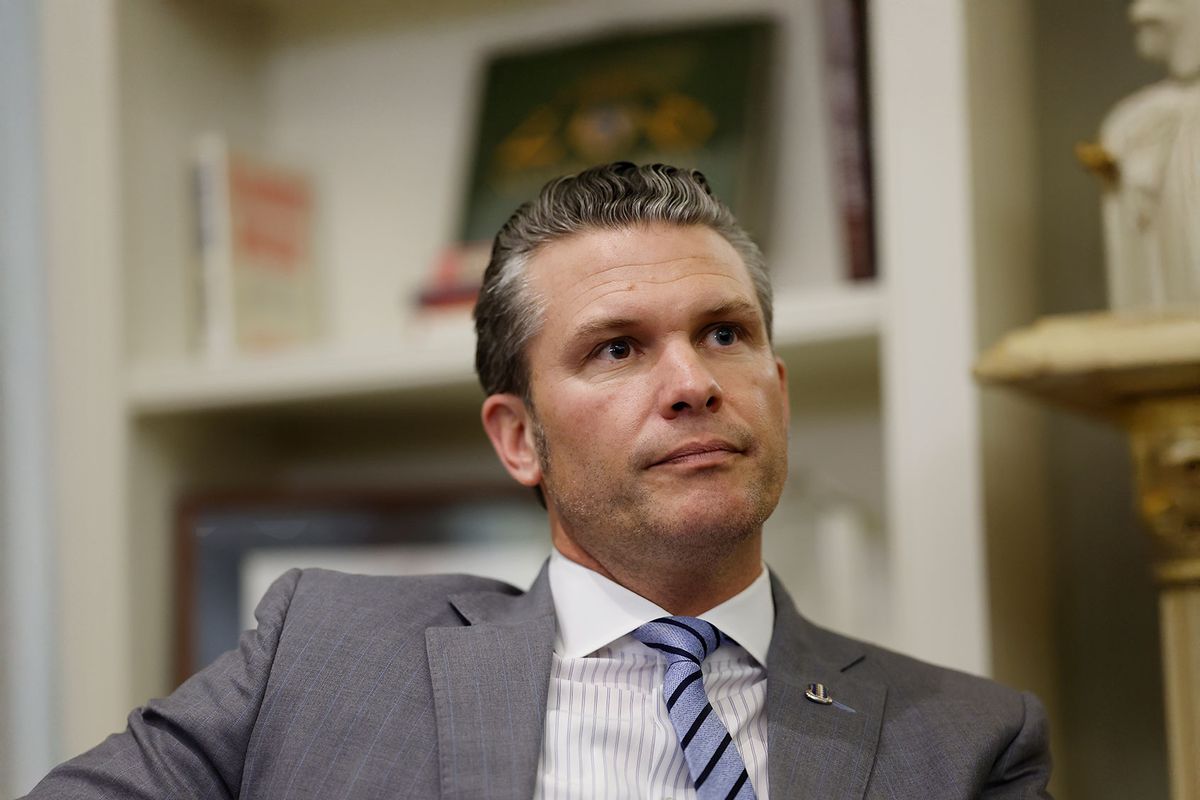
column 510, row 427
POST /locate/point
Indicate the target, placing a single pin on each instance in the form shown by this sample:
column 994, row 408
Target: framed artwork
column 230, row 546
column 697, row 97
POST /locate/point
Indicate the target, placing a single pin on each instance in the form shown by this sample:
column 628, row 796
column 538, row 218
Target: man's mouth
column 699, row 453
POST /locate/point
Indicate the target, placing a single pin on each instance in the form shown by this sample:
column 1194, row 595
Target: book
column 697, row 96
column 455, row 279
column 256, row 276
column 846, row 71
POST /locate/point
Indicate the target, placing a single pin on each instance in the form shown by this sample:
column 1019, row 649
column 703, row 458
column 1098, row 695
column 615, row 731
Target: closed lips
column 696, row 449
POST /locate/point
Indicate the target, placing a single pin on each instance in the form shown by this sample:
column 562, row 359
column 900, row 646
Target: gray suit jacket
column 375, row 687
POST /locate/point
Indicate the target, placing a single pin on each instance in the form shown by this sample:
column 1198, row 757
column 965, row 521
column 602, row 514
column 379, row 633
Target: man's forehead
column 602, row 261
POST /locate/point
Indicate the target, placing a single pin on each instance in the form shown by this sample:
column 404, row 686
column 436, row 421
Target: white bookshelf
column 884, row 408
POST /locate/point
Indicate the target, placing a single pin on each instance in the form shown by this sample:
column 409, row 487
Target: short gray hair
column 609, row 197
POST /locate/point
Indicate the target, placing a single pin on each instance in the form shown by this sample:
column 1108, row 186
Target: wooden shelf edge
column 810, row 316
column 1098, row 363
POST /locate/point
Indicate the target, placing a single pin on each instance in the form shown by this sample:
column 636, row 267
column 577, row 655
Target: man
column 624, row 345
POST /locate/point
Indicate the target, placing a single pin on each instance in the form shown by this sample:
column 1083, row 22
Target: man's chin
column 709, row 516
column 729, row 494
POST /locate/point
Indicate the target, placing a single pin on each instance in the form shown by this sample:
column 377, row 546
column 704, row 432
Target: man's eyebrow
column 734, row 308
column 603, row 325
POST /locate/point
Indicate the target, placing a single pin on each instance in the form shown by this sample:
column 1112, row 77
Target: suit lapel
column 490, row 680
column 491, row 677
column 817, row 750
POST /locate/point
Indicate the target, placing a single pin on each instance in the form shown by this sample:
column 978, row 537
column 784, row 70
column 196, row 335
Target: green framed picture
column 695, row 97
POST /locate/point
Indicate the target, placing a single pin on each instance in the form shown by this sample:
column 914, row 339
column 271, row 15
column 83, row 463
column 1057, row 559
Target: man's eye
column 725, row 335
column 617, row 349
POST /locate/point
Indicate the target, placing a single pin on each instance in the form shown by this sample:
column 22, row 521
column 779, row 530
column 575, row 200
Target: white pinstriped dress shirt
column 607, row 731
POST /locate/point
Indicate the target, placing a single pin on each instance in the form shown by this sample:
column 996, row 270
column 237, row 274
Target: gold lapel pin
column 816, row 692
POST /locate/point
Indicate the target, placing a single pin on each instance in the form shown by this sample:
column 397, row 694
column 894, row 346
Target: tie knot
column 680, row 638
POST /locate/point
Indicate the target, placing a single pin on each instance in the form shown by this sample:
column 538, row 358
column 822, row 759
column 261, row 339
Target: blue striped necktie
column 713, row 760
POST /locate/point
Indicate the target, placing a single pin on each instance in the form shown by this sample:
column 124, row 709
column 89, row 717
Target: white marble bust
column 1151, row 148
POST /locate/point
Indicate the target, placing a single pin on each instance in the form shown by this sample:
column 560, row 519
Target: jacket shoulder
column 951, row 727
column 908, row 675
column 408, row 596
column 327, row 580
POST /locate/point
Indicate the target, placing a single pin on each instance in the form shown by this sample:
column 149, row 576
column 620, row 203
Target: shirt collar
column 594, row 611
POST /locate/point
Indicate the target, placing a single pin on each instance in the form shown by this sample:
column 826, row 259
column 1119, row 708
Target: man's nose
column 687, row 384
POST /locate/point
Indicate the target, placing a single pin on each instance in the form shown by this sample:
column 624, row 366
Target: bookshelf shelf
column 439, row 356
column 805, row 318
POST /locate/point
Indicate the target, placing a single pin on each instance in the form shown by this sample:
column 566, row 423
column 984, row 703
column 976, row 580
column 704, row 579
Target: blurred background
column 238, row 240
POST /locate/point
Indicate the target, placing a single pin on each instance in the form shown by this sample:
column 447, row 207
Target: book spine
column 214, row 247
column 846, row 70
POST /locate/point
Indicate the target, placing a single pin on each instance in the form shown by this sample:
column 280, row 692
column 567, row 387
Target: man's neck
column 677, row 586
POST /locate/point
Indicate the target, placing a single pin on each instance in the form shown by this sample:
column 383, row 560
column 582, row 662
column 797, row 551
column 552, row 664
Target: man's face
column 660, row 407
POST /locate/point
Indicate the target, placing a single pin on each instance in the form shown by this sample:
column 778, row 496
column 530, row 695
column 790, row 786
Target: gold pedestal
column 1166, row 447
column 1179, row 610
column 1141, row 372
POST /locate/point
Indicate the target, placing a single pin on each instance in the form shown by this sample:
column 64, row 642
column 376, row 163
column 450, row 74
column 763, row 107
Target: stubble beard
column 621, row 525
